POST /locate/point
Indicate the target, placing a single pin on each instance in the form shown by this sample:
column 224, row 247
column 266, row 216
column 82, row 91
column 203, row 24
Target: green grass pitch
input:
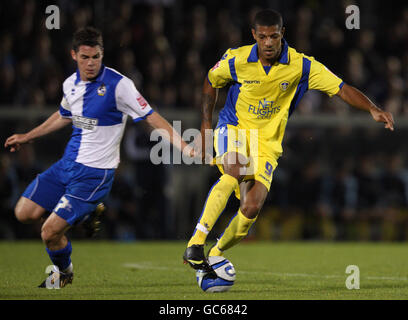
column 154, row 271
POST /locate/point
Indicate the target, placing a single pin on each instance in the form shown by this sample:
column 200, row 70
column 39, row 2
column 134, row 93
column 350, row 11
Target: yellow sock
column 237, row 230
column 215, row 251
column 214, row 205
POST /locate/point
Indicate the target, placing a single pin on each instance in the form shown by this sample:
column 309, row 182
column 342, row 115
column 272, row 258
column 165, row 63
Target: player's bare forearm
column 156, row 121
column 357, row 99
column 209, row 98
column 53, row 123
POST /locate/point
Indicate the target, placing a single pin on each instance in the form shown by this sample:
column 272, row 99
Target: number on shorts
column 63, row 204
column 268, row 168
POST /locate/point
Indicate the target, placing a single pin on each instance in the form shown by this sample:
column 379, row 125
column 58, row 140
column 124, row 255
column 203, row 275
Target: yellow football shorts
column 261, row 160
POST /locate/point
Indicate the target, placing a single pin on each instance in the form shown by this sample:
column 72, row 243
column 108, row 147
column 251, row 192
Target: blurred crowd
column 336, row 184
column 167, row 47
column 332, row 184
column 339, row 184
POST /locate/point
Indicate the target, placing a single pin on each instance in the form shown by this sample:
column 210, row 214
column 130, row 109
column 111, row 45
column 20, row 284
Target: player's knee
column 22, row 215
column 251, row 208
column 235, row 165
column 235, row 170
column 27, row 211
column 48, row 235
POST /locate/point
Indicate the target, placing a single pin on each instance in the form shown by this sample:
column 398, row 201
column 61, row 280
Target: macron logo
column 252, row 81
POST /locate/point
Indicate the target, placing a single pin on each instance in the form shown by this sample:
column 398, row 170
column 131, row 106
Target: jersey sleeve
column 65, row 108
column 220, row 75
column 130, row 101
column 321, row 78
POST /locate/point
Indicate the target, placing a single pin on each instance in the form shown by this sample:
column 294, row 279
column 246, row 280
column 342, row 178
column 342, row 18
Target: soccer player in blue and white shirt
column 97, row 100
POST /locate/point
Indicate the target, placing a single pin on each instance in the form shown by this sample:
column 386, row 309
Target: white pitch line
column 306, row 275
column 149, row 265
column 388, row 278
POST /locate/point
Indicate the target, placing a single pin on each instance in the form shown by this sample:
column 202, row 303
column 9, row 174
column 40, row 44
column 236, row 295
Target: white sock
column 70, row 269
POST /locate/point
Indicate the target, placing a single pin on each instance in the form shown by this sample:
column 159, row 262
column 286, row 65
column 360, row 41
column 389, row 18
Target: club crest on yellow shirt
column 101, row 90
column 284, row 85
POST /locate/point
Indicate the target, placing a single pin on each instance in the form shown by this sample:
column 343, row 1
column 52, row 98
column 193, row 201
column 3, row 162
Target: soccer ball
column 225, row 275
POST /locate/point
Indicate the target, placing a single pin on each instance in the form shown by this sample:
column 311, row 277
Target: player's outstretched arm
column 209, row 99
column 53, row 123
column 357, row 99
column 156, row 121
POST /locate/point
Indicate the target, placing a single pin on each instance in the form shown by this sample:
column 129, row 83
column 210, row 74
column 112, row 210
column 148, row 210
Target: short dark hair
column 268, row 18
column 88, row 36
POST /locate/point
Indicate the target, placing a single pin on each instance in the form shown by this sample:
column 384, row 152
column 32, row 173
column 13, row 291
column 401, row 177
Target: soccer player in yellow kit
column 267, row 80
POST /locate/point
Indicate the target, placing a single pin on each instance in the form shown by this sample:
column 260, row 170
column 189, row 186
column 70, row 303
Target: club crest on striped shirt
column 101, row 90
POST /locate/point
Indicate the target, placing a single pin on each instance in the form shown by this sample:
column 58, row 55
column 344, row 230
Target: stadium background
column 341, row 177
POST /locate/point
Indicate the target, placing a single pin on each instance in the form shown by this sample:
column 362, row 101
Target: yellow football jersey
column 263, row 100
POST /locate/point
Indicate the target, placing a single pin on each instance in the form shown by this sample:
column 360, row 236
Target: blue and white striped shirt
column 99, row 111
